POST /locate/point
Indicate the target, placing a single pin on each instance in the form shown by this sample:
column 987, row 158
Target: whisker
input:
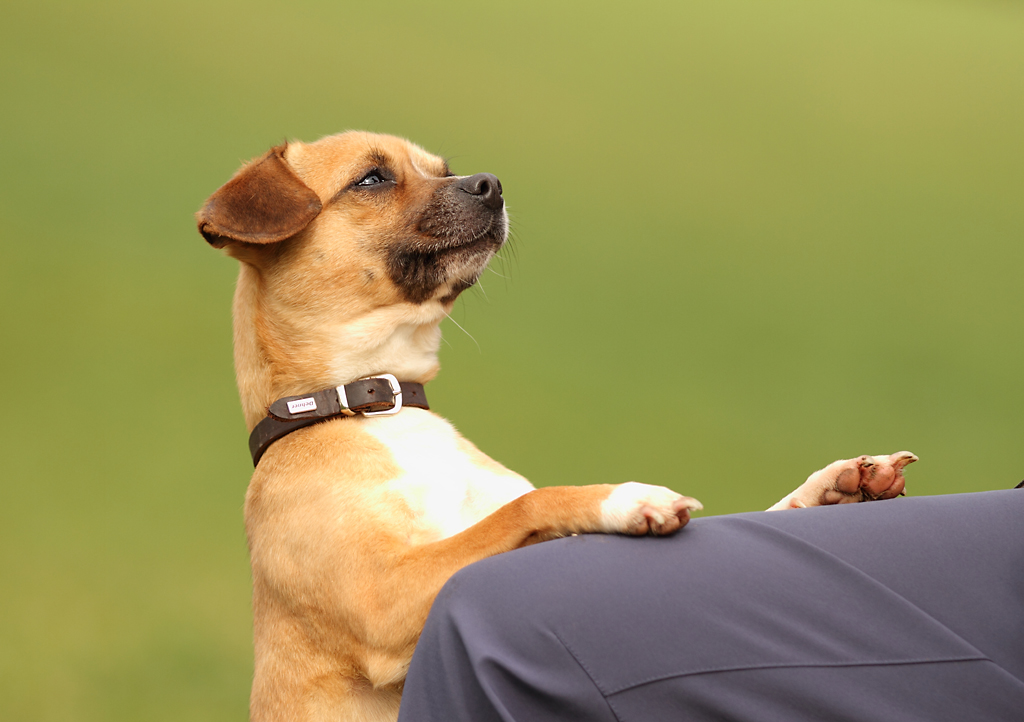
column 464, row 331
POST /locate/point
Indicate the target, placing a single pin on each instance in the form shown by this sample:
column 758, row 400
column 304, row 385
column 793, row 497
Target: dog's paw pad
column 638, row 509
column 866, row 478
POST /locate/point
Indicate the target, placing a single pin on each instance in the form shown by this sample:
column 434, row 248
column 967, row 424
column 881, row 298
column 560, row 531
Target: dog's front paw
column 866, row 478
column 634, row 508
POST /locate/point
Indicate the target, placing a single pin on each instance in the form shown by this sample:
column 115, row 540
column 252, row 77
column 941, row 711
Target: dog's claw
column 639, row 509
column 866, row 478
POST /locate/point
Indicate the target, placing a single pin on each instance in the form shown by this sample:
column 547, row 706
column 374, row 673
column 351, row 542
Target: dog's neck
column 280, row 353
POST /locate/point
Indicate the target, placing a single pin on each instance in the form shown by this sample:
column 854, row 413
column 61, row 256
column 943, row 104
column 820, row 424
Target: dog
column 363, row 502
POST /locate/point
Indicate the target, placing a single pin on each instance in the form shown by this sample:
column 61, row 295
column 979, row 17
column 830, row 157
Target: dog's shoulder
column 447, row 482
column 414, row 466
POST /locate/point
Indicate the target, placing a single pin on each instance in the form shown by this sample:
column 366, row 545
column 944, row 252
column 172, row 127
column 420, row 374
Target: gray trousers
column 910, row 609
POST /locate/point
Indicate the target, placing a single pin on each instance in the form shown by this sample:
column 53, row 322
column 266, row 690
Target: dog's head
column 373, row 209
column 353, row 250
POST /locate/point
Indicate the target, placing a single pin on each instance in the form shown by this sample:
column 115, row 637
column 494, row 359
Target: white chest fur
column 446, row 485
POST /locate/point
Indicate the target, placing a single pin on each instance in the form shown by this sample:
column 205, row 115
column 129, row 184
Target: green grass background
column 750, row 237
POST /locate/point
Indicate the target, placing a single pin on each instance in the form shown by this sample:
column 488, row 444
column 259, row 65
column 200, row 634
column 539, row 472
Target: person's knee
column 480, row 594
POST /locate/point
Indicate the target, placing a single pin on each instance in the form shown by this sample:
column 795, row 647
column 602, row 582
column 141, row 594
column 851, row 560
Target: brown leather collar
column 374, row 396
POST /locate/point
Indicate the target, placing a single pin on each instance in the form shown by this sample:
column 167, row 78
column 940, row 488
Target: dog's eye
column 371, row 179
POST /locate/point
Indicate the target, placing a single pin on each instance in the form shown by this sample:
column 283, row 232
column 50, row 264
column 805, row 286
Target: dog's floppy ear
column 264, row 202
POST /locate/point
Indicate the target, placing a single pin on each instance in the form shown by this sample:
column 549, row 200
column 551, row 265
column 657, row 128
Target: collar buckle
column 396, row 390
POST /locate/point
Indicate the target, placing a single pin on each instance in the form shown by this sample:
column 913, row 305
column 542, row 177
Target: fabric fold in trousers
column 909, row 609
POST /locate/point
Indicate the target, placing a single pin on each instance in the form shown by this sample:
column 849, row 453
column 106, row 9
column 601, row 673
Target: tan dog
column 353, row 249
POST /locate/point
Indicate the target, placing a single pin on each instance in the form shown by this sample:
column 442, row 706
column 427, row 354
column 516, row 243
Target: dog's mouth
column 455, row 237
column 491, row 231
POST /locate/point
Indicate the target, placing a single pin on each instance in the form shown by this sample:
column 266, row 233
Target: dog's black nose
column 484, row 186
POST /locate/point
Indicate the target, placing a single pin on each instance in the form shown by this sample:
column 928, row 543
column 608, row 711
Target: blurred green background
column 750, row 238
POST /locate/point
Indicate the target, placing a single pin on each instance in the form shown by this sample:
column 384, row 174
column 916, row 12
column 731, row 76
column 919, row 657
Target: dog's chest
column 447, row 484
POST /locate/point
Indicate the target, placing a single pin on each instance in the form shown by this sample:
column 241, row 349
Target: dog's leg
column 865, row 478
column 407, row 584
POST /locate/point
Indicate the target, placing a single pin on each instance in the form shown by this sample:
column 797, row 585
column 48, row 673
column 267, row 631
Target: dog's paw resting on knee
column 866, row 478
column 634, row 508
